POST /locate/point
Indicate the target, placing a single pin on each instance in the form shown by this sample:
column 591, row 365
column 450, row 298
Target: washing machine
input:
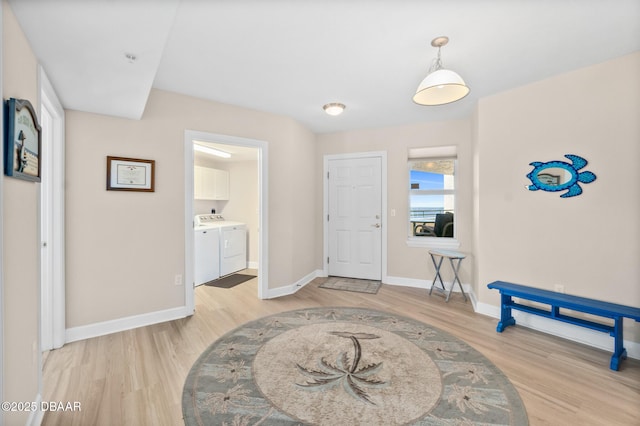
column 232, row 242
column 206, row 252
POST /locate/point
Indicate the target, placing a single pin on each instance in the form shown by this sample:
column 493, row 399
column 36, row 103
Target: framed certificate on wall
column 130, row 174
column 22, row 141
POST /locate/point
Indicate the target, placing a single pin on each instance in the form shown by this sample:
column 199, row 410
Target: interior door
column 52, row 248
column 355, row 211
column 46, row 233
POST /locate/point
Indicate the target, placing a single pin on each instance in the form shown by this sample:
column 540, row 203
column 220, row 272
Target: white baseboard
column 35, row 417
column 426, row 284
column 572, row 332
column 252, row 265
column 286, row 290
column 406, row 282
column 121, row 324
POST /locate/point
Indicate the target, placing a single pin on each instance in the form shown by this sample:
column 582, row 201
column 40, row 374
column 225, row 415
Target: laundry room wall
column 205, row 206
column 243, row 203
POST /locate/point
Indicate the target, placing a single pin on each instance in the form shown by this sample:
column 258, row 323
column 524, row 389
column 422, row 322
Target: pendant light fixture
column 440, row 86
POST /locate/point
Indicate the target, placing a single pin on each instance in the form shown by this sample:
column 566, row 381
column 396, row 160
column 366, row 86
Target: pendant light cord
column 436, row 64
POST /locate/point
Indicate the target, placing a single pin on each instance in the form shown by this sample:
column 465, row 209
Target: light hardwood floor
column 136, row 377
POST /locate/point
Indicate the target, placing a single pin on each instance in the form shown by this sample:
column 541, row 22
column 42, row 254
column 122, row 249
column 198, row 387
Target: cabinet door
column 198, row 183
column 221, row 184
column 210, row 184
column 203, row 183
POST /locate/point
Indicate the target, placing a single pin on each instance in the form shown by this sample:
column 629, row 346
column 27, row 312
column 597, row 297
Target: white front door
column 355, row 212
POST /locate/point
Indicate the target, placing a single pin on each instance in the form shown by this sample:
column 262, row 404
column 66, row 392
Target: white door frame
column 325, row 224
column 1, row 233
column 52, row 290
column 263, row 219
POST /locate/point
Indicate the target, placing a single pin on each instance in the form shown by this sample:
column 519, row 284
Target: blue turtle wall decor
column 557, row 176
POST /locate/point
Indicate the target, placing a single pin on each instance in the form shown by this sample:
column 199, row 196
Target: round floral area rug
column 346, row 366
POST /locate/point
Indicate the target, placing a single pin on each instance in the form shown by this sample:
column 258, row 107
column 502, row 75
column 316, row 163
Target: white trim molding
column 263, row 208
column 122, row 324
column 1, row 232
column 433, row 243
column 325, row 201
column 36, row 416
column 286, row 290
column 53, row 308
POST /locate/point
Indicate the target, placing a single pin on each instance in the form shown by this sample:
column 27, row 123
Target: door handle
column 377, row 225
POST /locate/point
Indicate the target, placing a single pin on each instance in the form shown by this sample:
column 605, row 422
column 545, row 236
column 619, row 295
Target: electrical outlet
column 393, row 212
column 559, row 288
column 178, row 279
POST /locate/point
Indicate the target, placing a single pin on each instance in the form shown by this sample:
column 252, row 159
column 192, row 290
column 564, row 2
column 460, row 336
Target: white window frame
column 432, row 153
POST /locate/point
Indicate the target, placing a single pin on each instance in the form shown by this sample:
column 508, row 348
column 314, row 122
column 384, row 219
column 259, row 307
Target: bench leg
column 506, row 319
column 619, row 352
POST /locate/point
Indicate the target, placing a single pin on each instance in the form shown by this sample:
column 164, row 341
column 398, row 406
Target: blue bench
column 559, row 301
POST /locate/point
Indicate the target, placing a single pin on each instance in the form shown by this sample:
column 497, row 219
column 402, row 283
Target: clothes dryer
column 232, row 244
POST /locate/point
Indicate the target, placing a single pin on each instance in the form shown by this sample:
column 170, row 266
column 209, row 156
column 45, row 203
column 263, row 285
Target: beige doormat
column 351, row 284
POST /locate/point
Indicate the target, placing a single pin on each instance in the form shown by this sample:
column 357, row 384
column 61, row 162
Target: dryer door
column 233, row 249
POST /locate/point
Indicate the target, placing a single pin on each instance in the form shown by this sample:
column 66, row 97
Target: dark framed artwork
column 130, row 174
column 23, row 141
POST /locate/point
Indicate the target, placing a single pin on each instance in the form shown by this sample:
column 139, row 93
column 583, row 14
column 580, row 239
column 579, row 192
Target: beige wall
column 404, row 261
column 20, row 238
column 124, row 248
column 305, row 204
column 589, row 243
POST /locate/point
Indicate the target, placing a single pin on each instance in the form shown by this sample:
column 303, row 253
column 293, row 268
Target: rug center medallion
column 321, row 373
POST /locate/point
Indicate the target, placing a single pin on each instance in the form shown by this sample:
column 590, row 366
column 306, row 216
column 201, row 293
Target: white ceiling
column 290, row 57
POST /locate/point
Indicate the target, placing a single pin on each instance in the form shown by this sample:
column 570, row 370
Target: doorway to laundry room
column 225, row 213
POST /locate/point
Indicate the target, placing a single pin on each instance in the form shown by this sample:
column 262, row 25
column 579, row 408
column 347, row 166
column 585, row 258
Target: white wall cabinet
column 210, row 184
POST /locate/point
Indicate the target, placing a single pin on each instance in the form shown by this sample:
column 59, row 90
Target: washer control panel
column 205, row 219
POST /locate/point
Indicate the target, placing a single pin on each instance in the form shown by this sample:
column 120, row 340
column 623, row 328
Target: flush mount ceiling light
column 334, row 108
column 210, row 151
column 440, row 86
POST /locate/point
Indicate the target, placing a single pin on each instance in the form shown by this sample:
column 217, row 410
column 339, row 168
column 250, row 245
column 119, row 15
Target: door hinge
column 327, row 260
column 327, row 218
column 327, row 175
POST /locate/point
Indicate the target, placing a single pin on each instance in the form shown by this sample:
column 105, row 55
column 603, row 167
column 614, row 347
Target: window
column 432, row 192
